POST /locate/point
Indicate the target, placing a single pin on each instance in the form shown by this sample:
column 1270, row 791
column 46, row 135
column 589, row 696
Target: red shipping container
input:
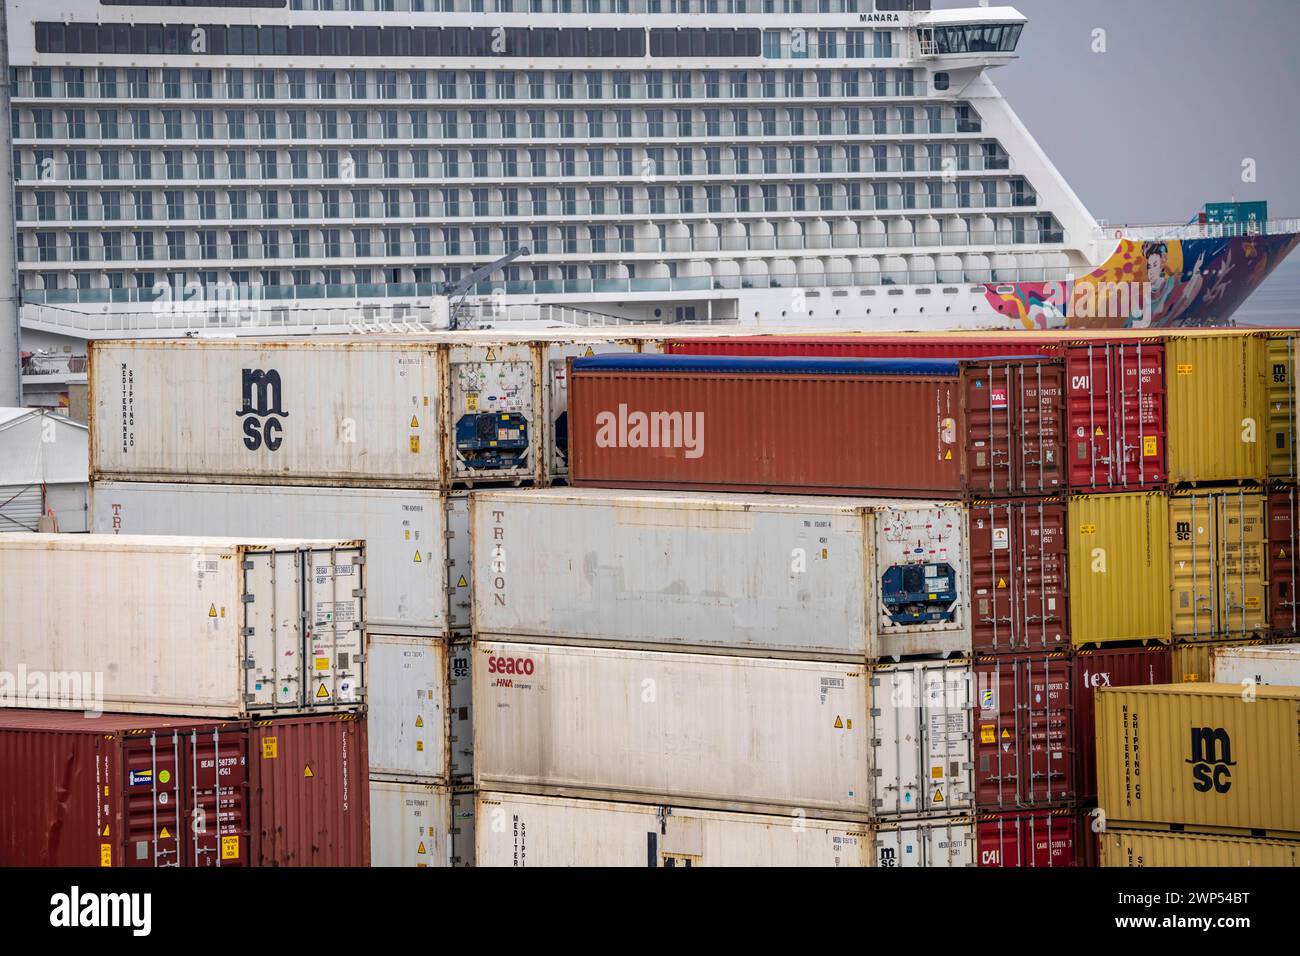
column 1283, row 530
column 1019, row 571
column 1024, row 732
column 904, row 427
column 1115, row 403
column 311, row 791
column 1030, row 838
column 122, row 790
column 1108, row 667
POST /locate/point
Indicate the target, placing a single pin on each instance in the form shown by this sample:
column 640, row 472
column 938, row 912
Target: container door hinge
column 877, row 772
column 249, row 664
column 250, row 698
column 246, row 565
column 875, row 682
column 246, row 598
column 359, row 592
column 449, row 535
column 875, row 711
column 248, row 631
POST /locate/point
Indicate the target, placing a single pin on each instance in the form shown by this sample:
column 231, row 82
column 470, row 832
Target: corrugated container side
column 1200, row 756
column 865, row 346
column 1139, row 848
column 1119, row 568
column 1108, row 667
column 1049, row 838
column 304, row 411
column 311, row 791
column 1283, row 570
column 1218, row 408
column 408, row 713
column 1258, row 663
column 1190, row 663
column 1024, row 732
column 1280, row 376
column 410, row 824
column 1218, row 564
column 1018, row 572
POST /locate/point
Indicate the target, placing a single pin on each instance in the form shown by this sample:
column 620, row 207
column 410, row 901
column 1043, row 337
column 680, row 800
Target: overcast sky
column 1159, row 124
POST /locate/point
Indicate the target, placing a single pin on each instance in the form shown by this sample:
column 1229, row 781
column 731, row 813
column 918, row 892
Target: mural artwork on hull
column 1192, row 282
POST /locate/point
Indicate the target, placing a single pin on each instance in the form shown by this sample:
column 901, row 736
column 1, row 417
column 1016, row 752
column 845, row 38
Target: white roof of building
column 28, row 456
column 937, row 18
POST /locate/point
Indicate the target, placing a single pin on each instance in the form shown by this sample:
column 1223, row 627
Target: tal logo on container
column 261, row 409
column 1211, row 759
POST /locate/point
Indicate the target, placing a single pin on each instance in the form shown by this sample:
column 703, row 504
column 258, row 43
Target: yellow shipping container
column 1134, row 848
column 1280, row 380
column 1218, row 549
column 1212, row 757
column 1119, row 568
column 1190, row 663
column 1217, row 406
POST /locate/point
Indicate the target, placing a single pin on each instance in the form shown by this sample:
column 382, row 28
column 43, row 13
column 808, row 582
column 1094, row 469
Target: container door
column 1039, row 428
column 946, row 843
column 1025, row 733
column 1137, row 414
column 154, row 810
column 1191, row 552
column 1241, row 527
column 922, row 739
column 461, row 736
column 408, row 708
column 993, row 628
column 556, row 395
column 334, row 603
column 217, row 797
column 1280, row 380
column 1088, row 414
column 990, row 423
column 1018, row 575
column 273, row 629
column 459, row 574
column 492, row 425
column 1282, row 533
column 1041, row 839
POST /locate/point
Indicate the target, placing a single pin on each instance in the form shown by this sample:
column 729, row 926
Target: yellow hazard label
column 419, row 721
column 105, row 830
column 212, row 611
column 1252, row 601
column 230, row 847
column 165, row 834
column 947, row 456
column 1281, row 552
column 936, row 772
column 839, row 723
column 1098, row 431
column 415, row 444
column 419, row 746
column 825, row 553
column 1185, row 368
column 269, row 749
column 408, row 534
column 415, row 422
column 421, row 848
column 106, row 854
column 988, row 736
column 1150, row 446
column 462, row 582
column 1087, row 529
column 306, row 771
column 933, row 597
column 418, row 559
column 492, row 355
column 321, row 692
column 322, row 663
column 1002, row 582
column 1006, row 735
column 588, row 353
column 938, row 795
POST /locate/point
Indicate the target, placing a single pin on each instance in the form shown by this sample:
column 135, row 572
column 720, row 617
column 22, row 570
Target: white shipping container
column 410, row 536
column 203, row 627
column 492, row 432
column 303, row 410
column 415, row 825
column 522, row 830
column 826, row 578
column 833, row 740
column 408, row 708
column 1257, row 663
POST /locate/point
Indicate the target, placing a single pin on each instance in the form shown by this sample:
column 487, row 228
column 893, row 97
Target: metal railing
column 1157, row 232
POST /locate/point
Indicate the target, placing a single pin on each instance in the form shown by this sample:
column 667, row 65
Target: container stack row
column 183, row 701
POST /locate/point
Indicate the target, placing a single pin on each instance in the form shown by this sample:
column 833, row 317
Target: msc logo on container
column 1211, row 758
column 261, row 409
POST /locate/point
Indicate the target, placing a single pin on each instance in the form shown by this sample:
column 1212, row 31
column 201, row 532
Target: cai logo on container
column 261, row 409
column 1211, row 759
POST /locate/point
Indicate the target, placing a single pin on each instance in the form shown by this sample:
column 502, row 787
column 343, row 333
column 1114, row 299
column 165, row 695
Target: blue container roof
column 780, row 365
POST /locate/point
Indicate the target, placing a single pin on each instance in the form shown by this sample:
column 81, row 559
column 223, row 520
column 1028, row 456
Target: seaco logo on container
column 1211, row 759
column 261, row 409
column 507, row 670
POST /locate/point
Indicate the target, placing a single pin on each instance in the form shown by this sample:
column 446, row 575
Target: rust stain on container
column 912, row 428
column 1283, row 537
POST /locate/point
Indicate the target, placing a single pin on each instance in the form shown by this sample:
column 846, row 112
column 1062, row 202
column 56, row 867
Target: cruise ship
column 190, row 166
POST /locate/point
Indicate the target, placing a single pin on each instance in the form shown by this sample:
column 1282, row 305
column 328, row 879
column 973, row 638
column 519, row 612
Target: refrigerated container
column 1218, row 410
column 408, row 709
column 904, row 427
column 123, row 790
column 313, row 411
column 1108, row 667
column 828, row 578
column 1283, row 571
column 1257, row 663
column 1024, row 732
column 201, row 627
column 518, row 830
column 839, row 741
column 1019, row 575
column 312, row 803
column 492, row 395
column 1032, row 838
column 1134, row 848
column 1119, row 568
column 1208, row 757
column 420, row 825
column 1280, row 365
column 417, row 541
column 1218, row 564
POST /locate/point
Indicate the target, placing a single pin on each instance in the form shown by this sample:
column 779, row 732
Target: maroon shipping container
column 1019, row 571
column 1283, row 530
column 1024, row 732
column 1030, row 838
column 122, row 790
column 312, row 791
column 904, row 427
column 1115, row 403
column 1108, row 667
